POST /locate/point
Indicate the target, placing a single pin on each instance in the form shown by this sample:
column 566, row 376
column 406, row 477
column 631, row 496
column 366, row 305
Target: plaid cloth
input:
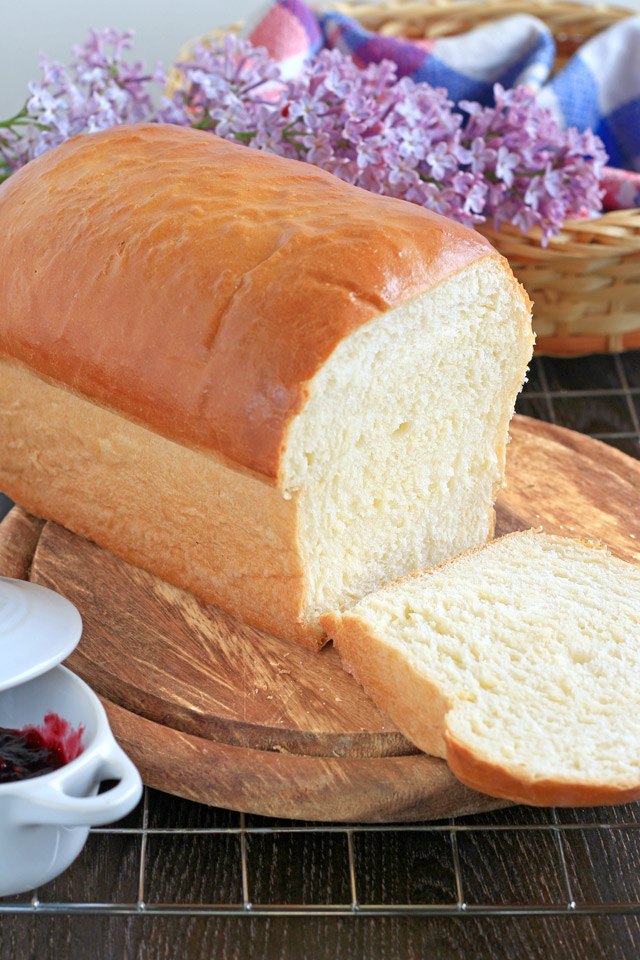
column 515, row 50
column 599, row 87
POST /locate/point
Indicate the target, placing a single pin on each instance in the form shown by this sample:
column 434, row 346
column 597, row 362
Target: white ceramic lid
column 38, row 629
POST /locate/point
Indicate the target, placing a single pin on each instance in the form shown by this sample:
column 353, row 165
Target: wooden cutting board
column 216, row 711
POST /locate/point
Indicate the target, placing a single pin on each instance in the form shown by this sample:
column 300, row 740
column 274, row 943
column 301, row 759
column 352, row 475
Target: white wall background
column 53, row 26
column 28, row 27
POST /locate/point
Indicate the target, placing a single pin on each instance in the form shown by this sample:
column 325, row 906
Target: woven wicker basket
column 586, row 283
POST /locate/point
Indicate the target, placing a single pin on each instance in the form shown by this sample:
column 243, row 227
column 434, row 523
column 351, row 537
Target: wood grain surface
column 278, row 784
column 216, row 711
column 168, row 656
column 572, row 485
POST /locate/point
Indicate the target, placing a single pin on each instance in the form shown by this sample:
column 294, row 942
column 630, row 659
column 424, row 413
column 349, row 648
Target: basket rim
column 553, row 8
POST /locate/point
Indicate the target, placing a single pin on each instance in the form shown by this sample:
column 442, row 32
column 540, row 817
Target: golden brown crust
column 497, row 781
column 227, row 536
column 200, row 299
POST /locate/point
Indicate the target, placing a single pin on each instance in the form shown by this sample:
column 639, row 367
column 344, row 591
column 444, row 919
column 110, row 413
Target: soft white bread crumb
column 398, row 455
column 519, row 662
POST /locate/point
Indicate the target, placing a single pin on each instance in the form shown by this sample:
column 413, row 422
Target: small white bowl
column 45, row 820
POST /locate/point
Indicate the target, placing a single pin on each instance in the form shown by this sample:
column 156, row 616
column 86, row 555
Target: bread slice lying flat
column 518, row 662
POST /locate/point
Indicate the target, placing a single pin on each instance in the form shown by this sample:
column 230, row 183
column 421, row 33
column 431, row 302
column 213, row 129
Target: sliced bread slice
column 518, row 662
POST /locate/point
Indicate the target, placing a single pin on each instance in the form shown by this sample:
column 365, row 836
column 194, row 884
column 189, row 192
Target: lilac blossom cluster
column 98, row 90
column 400, row 138
column 511, row 162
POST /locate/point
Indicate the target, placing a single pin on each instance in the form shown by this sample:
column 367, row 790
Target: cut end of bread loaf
column 518, row 662
column 399, row 453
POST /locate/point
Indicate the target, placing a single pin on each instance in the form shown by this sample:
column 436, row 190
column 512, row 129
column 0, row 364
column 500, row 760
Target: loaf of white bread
column 264, row 385
column 519, row 662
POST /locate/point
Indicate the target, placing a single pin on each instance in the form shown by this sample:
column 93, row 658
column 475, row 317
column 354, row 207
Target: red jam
column 34, row 751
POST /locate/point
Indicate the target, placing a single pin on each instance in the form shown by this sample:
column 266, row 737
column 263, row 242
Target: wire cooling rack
column 173, row 857
column 596, row 395
column 531, row 862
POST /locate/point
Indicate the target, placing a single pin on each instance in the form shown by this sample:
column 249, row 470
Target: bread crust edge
column 497, row 781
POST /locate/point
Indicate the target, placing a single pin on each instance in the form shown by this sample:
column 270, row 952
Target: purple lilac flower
column 97, row 91
column 542, row 175
column 396, row 137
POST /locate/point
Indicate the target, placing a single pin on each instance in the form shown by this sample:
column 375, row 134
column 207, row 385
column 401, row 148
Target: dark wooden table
column 182, row 881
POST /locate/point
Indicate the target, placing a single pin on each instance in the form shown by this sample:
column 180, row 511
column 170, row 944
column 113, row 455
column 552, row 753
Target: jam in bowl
column 34, row 751
column 45, row 819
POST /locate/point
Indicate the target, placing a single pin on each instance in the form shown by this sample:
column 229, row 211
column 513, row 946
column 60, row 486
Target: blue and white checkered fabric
column 600, row 88
column 516, row 50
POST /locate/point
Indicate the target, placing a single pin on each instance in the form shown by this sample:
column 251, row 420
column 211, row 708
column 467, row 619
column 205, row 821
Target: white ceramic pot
column 44, row 821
